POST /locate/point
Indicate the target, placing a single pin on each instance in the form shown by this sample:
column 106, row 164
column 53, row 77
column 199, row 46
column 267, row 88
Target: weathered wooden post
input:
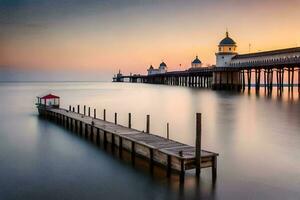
column 129, row 120
column 116, row 118
column 84, row 110
column 89, row 111
column 69, row 107
column 148, row 124
column 78, row 109
column 167, row 130
column 104, row 115
column 95, row 113
column 198, row 144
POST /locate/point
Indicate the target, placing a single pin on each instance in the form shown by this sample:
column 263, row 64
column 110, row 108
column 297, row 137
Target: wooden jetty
column 172, row 155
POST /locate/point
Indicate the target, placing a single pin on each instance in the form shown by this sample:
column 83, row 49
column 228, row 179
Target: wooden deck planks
column 169, row 147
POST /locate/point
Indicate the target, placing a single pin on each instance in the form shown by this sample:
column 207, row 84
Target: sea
column 257, row 136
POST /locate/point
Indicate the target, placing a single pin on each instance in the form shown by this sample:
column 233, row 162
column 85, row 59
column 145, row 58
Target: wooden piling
column 104, row 115
column 69, row 107
column 198, row 144
column 89, row 111
column 116, row 118
column 129, row 120
column 292, row 80
column 95, row 114
column 148, row 124
column 167, row 130
column 78, row 108
column 84, row 109
column 214, row 168
column 120, row 146
column 169, row 166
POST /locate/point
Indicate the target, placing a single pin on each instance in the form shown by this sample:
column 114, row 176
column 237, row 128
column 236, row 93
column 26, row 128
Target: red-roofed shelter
column 49, row 100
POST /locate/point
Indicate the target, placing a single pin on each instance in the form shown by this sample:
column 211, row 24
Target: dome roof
column 227, row 40
column 196, row 61
column 162, row 64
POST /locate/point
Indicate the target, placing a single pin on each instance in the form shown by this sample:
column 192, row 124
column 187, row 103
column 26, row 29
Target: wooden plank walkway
column 169, row 153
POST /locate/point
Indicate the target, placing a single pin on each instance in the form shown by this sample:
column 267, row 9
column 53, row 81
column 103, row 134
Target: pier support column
column 292, row 80
column 214, row 168
column 249, row 78
column 198, row 144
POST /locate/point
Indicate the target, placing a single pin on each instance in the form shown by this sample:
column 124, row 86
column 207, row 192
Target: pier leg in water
column 198, row 144
column 169, row 169
column 133, row 152
column 120, row 146
column 214, row 169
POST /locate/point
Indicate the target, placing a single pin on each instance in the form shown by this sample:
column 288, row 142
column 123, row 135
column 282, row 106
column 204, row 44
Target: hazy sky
column 92, row 39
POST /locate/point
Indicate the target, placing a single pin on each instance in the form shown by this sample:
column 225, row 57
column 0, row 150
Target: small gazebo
column 49, row 100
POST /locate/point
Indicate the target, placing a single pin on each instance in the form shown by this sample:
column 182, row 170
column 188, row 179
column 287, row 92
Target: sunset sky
column 92, row 39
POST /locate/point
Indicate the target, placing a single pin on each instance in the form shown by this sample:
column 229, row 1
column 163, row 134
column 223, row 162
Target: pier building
column 196, row 63
column 160, row 70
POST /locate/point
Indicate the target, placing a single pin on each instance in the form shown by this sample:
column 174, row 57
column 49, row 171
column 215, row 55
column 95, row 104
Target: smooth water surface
column 257, row 137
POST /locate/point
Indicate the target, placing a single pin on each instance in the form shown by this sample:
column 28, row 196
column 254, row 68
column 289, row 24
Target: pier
column 233, row 71
column 171, row 155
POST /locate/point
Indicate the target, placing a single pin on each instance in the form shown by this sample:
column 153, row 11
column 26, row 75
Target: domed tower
column 196, row 63
column 162, row 67
column 227, row 50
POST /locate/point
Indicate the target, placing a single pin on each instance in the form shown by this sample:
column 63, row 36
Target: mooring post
column 116, row 118
column 167, row 130
column 129, row 120
column 95, row 113
column 84, row 109
column 69, row 107
column 89, row 111
column 214, row 168
column 148, row 124
column 104, row 115
column 78, row 108
column 198, row 144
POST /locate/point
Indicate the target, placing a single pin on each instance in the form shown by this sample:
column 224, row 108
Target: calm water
column 257, row 137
